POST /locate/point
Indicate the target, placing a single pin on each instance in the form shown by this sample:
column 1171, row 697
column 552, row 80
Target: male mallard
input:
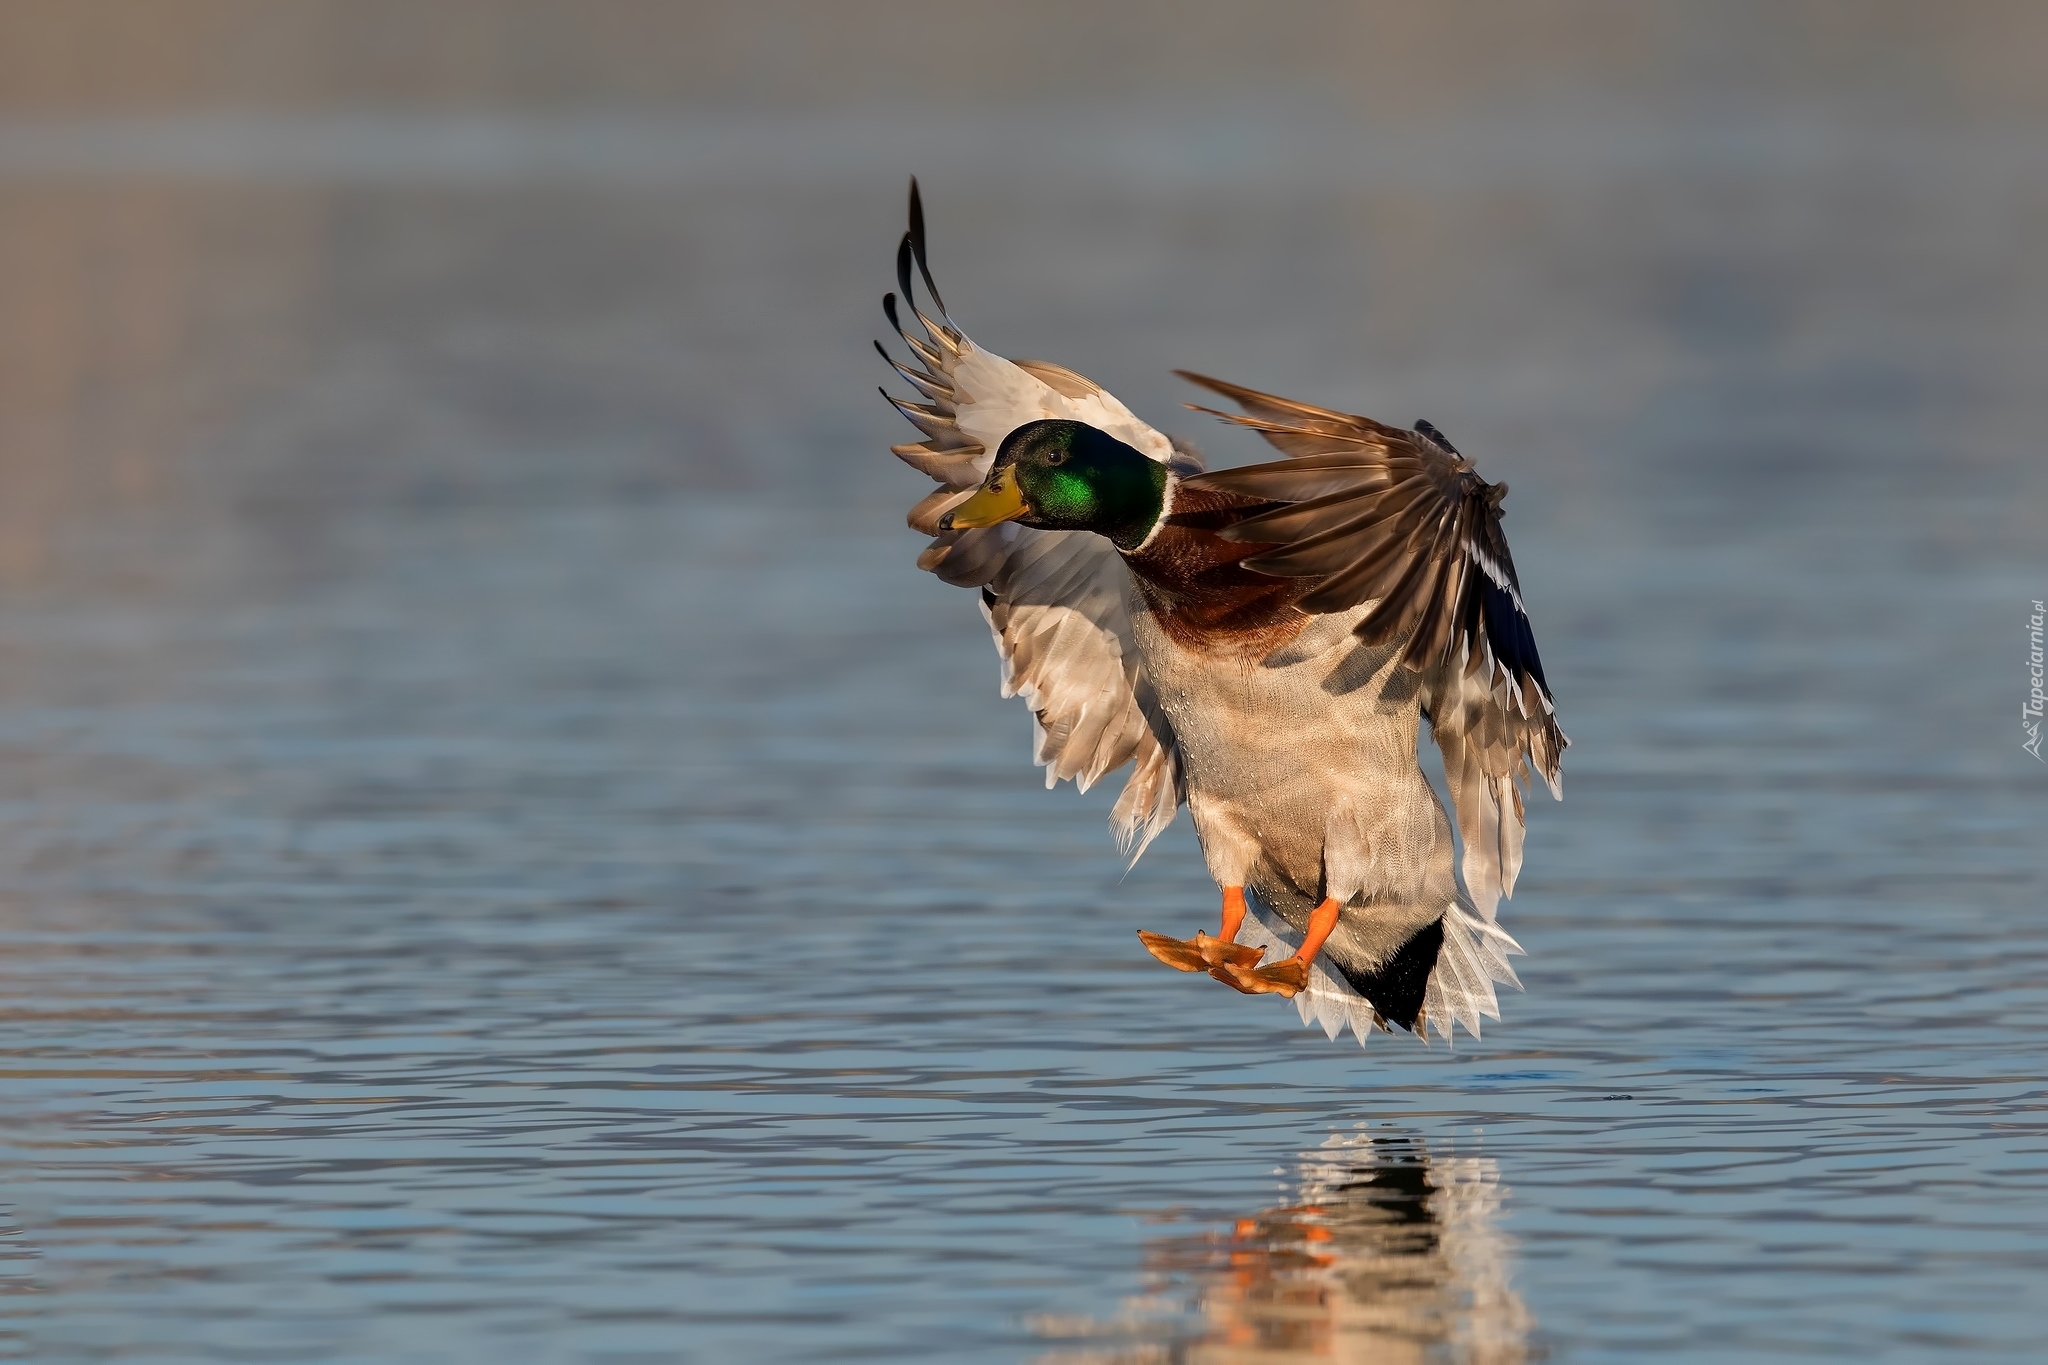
column 1260, row 643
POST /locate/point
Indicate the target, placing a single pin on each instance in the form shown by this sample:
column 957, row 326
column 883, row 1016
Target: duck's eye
column 1056, row 457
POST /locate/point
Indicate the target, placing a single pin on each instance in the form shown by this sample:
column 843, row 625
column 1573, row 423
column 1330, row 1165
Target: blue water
column 504, row 857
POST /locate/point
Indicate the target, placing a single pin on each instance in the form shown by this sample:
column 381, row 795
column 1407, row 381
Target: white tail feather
column 1473, row 958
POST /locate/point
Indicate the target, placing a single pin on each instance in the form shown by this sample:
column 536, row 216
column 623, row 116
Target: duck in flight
column 1260, row 644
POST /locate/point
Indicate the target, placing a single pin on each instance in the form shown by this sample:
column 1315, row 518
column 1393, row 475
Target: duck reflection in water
column 1383, row 1255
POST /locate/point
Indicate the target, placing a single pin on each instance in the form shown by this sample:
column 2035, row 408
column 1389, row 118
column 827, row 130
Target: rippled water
column 503, row 857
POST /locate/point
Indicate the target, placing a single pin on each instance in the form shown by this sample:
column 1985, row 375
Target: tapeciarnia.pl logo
column 2030, row 714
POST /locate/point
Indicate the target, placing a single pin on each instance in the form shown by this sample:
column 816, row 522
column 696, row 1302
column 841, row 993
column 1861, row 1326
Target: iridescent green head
column 1068, row 476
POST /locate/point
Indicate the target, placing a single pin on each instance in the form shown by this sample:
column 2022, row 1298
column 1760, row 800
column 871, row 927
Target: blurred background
column 500, row 850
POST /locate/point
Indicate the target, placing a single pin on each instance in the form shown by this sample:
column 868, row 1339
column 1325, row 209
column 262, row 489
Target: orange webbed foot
column 1202, row 953
column 1179, row 953
column 1286, row 979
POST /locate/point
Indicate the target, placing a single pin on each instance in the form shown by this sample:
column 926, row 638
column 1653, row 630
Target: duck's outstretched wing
column 1399, row 519
column 1054, row 599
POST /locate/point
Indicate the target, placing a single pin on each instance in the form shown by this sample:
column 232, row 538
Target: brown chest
column 1201, row 595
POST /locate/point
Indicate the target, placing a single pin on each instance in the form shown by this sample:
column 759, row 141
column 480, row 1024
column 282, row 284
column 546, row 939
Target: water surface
column 503, row 856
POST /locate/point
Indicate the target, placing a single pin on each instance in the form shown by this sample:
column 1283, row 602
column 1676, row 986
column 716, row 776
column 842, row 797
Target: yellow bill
column 995, row 501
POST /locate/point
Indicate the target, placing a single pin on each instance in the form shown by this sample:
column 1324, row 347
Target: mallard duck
column 1260, row 644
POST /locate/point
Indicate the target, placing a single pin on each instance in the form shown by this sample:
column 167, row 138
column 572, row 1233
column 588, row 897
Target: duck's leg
column 1288, row 977
column 1202, row 953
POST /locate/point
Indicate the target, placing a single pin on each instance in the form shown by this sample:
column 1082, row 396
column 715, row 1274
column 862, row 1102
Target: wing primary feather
column 903, row 275
column 1269, row 427
column 1432, row 639
column 925, row 350
column 917, row 248
column 1255, row 401
column 1366, row 573
column 1255, row 398
column 1442, row 441
column 1317, row 520
column 934, row 427
column 954, row 468
column 903, row 261
column 925, row 384
column 1294, row 481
